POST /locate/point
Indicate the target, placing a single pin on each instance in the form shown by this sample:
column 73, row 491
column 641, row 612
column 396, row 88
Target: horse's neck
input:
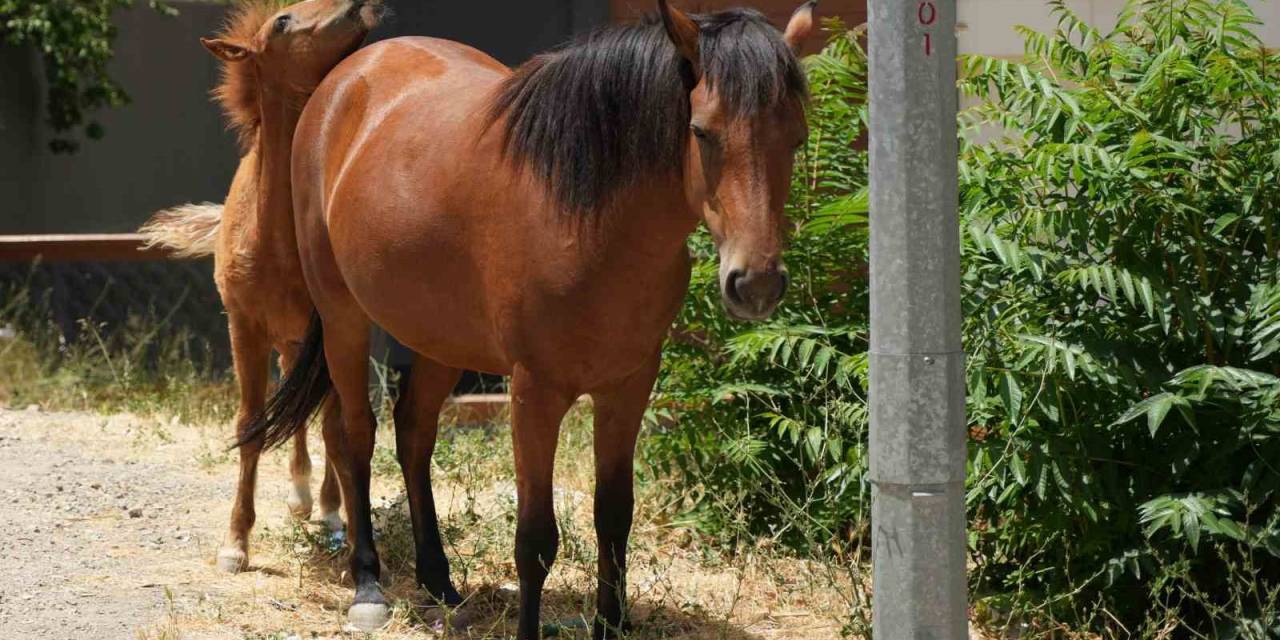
column 651, row 225
column 274, row 215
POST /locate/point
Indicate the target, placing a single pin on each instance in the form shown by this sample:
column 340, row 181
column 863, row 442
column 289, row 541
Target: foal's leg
column 251, row 351
column 618, row 413
column 417, row 422
column 299, row 498
column 330, row 493
column 350, row 446
column 537, row 410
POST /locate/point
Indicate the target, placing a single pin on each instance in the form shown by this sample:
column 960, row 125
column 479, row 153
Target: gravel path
column 104, row 522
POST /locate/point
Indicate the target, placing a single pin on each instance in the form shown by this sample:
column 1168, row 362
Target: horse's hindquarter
column 442, row 243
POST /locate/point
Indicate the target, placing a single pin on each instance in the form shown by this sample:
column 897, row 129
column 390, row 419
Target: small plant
column 74, row 39
column 143, row 366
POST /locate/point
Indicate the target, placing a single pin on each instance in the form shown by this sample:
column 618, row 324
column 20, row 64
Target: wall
column 170, row 144
column 852, row 12
column 987, row 26
column 508, row 30
column 19, row 107
column 166, row 147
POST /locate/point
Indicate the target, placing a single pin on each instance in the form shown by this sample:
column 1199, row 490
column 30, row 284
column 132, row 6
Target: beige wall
column 986, row 26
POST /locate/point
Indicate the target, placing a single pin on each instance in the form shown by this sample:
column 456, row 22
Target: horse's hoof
column 449, row 597
column 333, row 522
column 368, row 616
column 232, row 560
column 300, row 512
column 299, row 503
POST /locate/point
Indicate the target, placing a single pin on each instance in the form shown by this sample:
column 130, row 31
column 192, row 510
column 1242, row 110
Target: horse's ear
column 801, row 26
column 228, row 50
column 682, row 30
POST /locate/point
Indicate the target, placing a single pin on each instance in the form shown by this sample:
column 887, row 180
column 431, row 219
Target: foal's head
column 746, row 121
column 288, row 49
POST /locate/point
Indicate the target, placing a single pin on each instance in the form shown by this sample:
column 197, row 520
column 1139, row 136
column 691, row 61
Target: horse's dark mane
column 594, row 115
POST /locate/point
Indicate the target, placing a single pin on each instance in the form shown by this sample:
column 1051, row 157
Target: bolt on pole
column 917, row 365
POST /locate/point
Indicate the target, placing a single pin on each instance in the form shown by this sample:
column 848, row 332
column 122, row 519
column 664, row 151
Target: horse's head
column 300, row 43
column 747, row 119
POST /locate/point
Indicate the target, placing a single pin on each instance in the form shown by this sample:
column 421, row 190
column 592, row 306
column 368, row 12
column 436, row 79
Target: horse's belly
column 428, row 294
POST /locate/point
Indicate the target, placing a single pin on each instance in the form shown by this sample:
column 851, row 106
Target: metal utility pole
column 917, row 366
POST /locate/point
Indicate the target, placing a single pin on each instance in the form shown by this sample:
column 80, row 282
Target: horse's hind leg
column 417, row 423
column 330, row 492
column 618, row 414
column 299, row 498
column 536, row 412
column 252, row 352
column 350, row 446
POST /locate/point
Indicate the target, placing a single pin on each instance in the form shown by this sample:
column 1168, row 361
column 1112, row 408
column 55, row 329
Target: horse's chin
column 743, row 314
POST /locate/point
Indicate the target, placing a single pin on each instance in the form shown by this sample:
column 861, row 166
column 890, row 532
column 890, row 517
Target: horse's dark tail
column 301, row 392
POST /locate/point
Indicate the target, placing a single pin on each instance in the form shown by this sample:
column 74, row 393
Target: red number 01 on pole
column 927, row 14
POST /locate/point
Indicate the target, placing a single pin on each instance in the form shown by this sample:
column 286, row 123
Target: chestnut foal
column 533, row 224
column 273, row 58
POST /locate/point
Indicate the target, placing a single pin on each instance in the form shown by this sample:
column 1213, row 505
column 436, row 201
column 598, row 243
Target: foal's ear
column 228, row 50
column 682, row 30
column 801, row 26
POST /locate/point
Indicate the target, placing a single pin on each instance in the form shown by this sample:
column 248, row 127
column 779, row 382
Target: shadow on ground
column 490, row 610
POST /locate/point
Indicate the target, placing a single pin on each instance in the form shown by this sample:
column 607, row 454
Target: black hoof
column 446, row 595
column 602, row 630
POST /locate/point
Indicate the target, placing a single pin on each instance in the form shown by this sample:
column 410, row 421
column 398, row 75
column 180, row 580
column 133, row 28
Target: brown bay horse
column 533, row 224
column 273, row 58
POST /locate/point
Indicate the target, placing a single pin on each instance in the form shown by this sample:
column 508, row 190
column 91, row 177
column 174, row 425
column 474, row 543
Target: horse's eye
column 282, row 23
column 698, row 132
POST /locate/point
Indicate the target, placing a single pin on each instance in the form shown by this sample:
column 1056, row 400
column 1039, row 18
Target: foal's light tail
column 301, row 392
column 188, row 231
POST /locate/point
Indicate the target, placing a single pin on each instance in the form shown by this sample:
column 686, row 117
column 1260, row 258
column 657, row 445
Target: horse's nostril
column 731, row 283
column 758, row 290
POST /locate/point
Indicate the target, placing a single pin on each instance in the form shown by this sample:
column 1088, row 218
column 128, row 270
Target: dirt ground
column 109, row 526
column 106, row 523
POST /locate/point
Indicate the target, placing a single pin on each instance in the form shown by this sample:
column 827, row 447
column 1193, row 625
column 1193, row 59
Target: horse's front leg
column 251, row 351
column 417, row 417
column 618, row 414
column 536, row 412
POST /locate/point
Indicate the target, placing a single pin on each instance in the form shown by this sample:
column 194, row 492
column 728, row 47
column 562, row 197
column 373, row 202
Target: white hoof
column 368, row 616
column 333, row 522
column 299, row 501
column 232, row 560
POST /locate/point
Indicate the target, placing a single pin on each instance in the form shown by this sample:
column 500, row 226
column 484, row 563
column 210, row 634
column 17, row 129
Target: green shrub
column 1123, row 320
column 74, row 40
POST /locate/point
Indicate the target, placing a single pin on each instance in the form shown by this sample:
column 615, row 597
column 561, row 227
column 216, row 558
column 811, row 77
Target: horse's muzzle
column 753, row 295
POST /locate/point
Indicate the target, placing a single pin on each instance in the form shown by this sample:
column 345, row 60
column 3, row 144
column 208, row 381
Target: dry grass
column 678, row 588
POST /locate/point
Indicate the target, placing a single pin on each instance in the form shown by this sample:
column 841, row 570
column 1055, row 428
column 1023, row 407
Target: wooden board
column 112, row 247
